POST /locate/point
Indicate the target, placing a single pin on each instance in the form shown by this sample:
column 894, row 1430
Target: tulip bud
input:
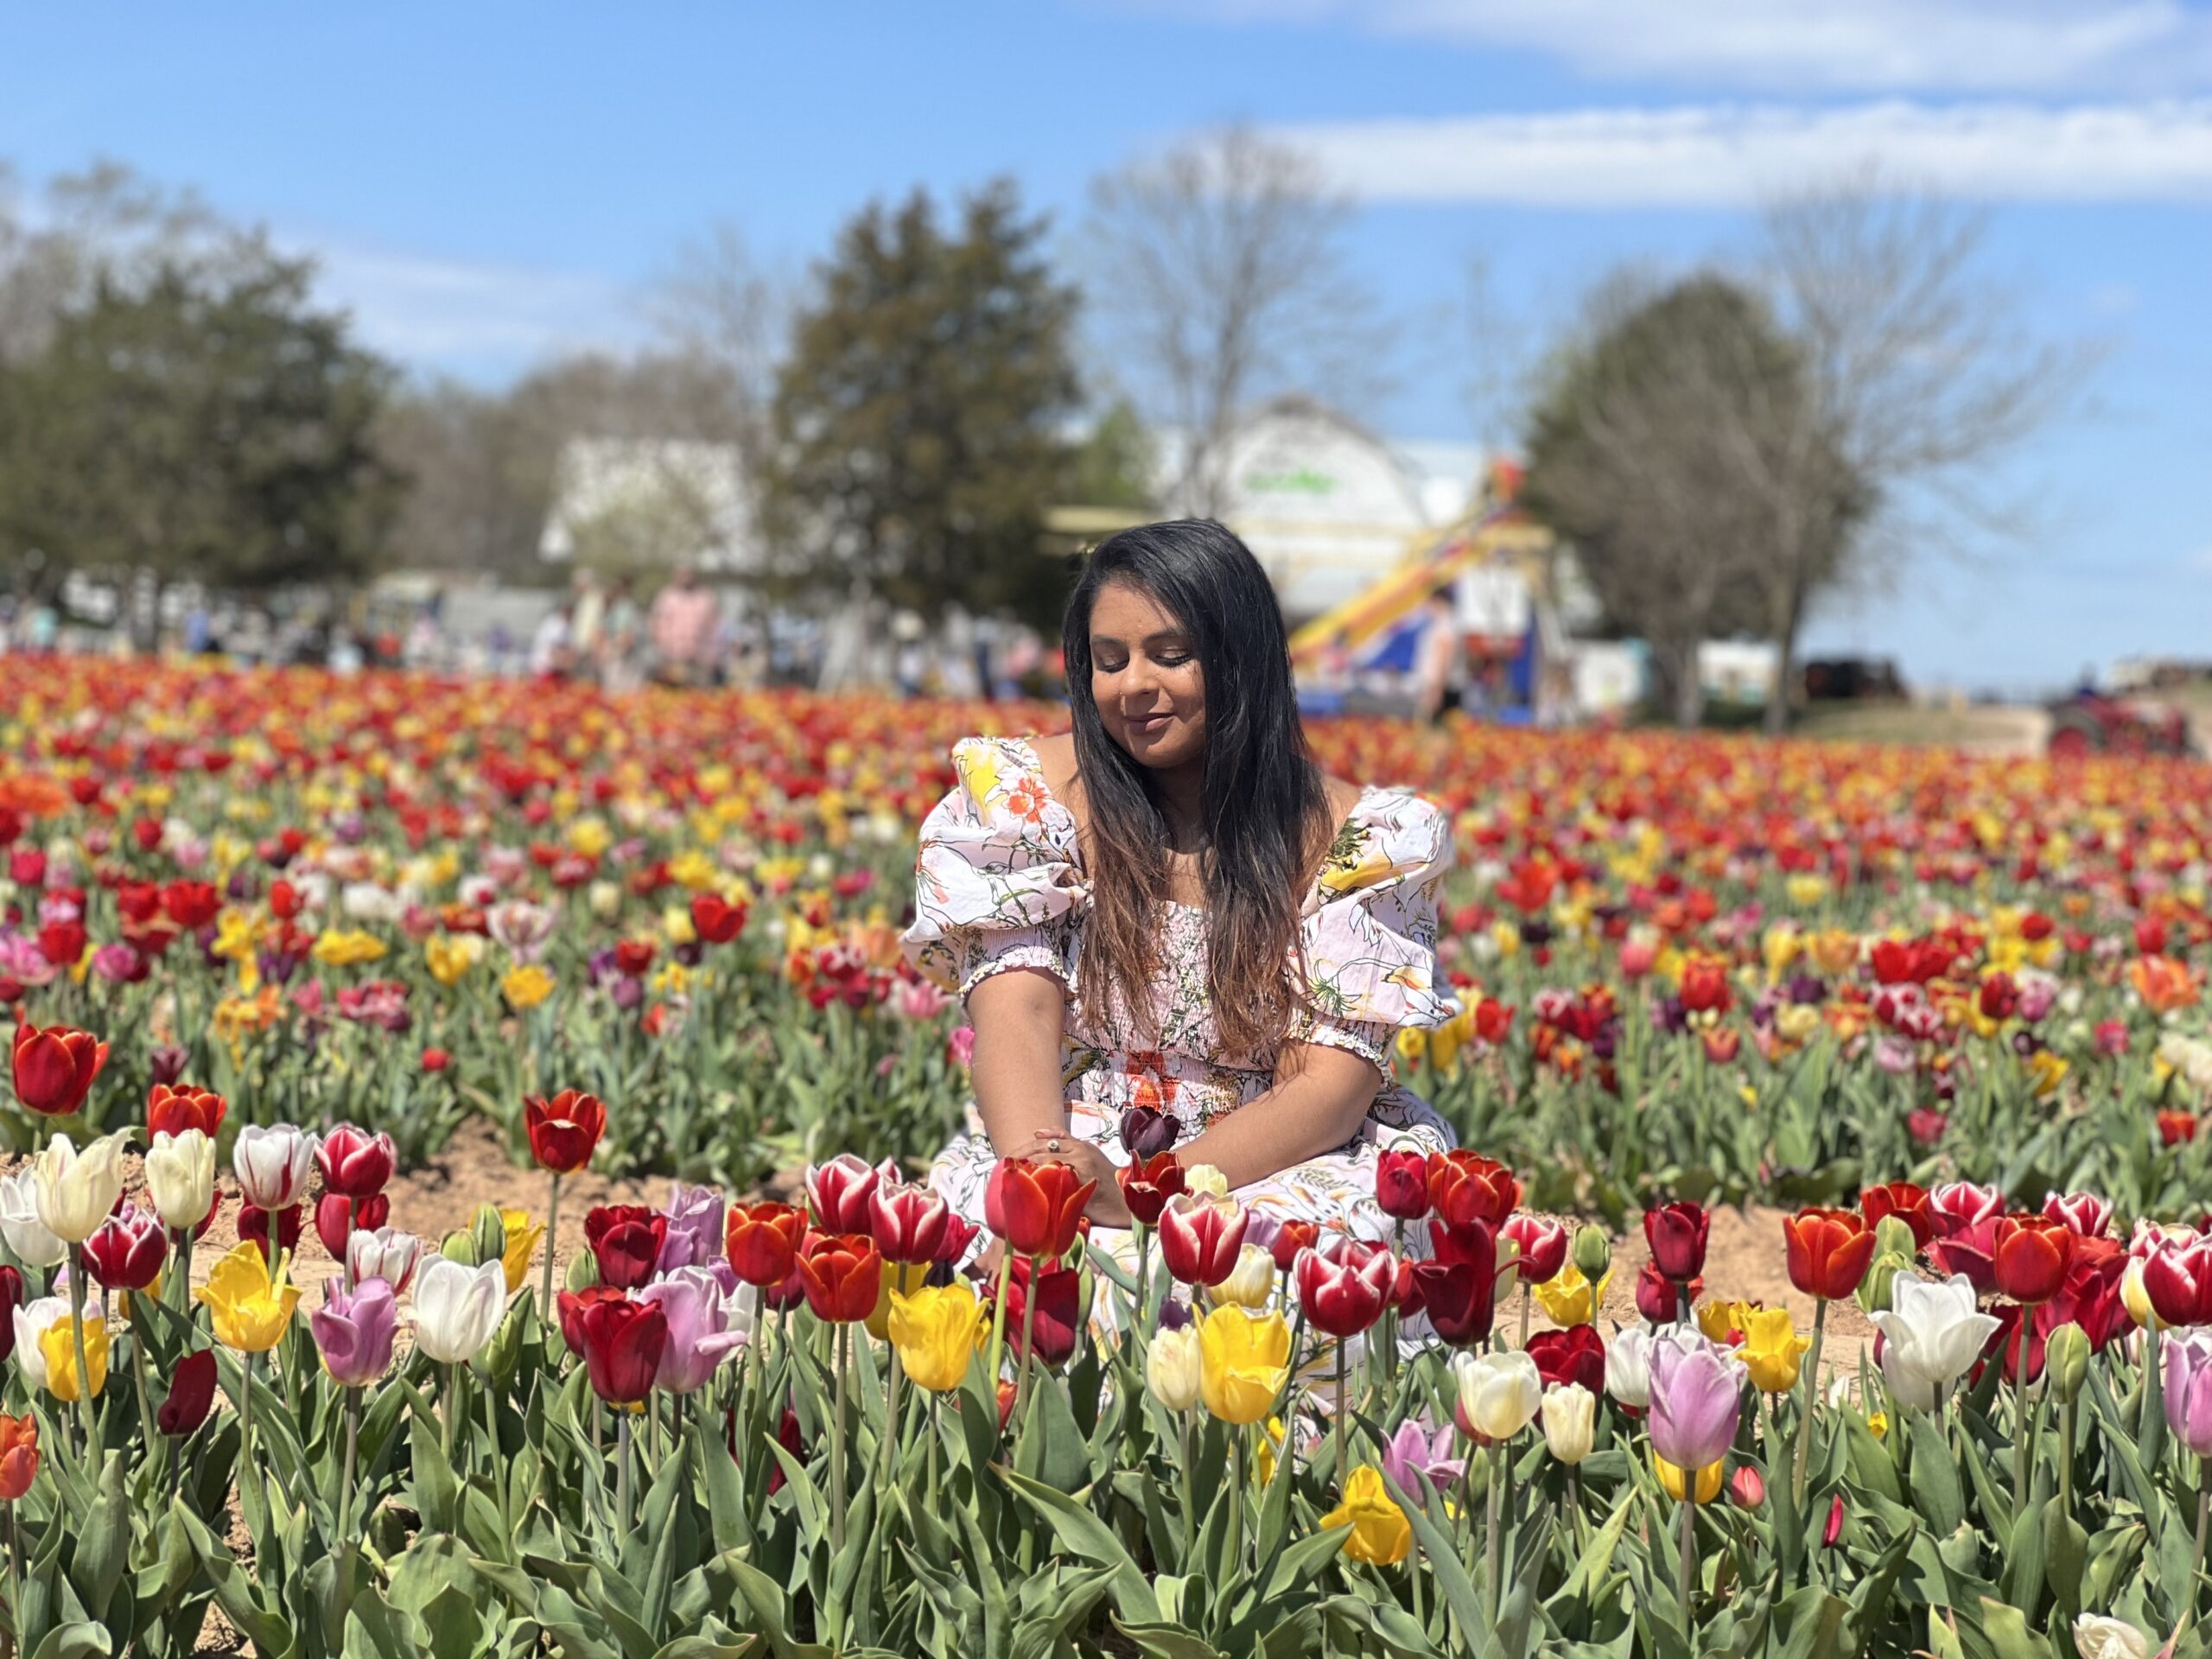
column 583, row 1271
column 2096, row 1636
column 503, row 1353
column 2066, row 1361
column 1172, row 1367
column 1873, row 1292
column 1893, row 1235
column 1570, row 1412
column 1252, row 1281
column 490, row 1233
column 1747, row 1489
column 1593, row 1253
column 460, row 1247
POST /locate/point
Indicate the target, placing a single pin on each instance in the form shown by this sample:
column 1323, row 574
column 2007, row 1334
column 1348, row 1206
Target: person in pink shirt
column 682, row 624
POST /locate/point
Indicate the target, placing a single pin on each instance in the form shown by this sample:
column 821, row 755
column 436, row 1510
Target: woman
column 1174, row 908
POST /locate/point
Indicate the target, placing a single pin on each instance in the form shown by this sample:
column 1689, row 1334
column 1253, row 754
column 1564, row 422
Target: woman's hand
column 1090, row 1164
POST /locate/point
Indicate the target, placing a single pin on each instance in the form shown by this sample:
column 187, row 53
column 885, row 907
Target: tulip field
column 273, row 939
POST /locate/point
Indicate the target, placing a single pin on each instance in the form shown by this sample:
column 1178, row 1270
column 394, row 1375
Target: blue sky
column 491, row 183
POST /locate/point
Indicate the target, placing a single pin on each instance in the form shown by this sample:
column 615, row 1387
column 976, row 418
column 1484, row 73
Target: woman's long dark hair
column 1264, row 805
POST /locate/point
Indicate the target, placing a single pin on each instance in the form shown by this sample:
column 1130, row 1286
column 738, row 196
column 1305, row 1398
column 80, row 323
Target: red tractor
column 2093, row 722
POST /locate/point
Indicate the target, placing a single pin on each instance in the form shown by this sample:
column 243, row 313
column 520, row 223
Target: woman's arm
column 1320, row 1098
column 1018, row 1016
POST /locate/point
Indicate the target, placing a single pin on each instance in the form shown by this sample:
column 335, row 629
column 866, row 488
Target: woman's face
column 1145, row 676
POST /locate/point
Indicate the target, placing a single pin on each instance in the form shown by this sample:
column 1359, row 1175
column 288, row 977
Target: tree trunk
column 1680, row 688
column 1790, row 619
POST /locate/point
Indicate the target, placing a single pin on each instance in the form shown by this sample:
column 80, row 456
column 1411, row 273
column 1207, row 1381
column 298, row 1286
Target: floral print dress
column 998, row 886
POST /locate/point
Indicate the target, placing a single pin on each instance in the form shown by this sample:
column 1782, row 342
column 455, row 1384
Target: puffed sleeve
column 996, row 883
column 1370, row 929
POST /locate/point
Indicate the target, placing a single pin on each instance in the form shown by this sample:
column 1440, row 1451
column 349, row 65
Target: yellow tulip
column 1263, row 1466
column 251, row 1305
column 1719, row 1319
column 1772, row 1349
column 347, row 948
column 1570, row 1299
column 1708, row 1479
column 897, row 1276
column 1205, row 1179
column 57, row 1346
column 1379, row 1534
column 936, row 1330
column 527, row 986
column 1244, row 1362
column 522, row 1244
column 450, row 956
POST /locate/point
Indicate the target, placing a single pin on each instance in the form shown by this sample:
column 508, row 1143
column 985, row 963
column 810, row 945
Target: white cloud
column 2049, row 46
column 422, row 309
column 1728, row 154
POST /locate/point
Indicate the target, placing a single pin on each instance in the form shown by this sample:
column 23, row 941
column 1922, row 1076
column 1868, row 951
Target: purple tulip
column 2189, row 1389
column 355, row 1332
column 1414, row 1448
column 705, row 1327
column 1696, row 1398
column 695, row 1227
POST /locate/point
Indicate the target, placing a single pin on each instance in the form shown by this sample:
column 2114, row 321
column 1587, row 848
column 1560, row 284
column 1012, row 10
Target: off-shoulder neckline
column 1052, row 800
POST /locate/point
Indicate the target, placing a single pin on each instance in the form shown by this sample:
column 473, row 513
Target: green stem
column 998, row 1329
column 552, row 1222
column 2020, row 1414
column 1493, row 1538
column 1026, row 1361
column 1344, row 1410
column 1144, row 1283
column 1685, row 1559
column 1190, row 1486
column 140, row 1361
column 2197, row 1557
column 83, row 1367
column 246, row 1412
column 1812, row 1405
column 452, row 1402
column 932, row 1446
column 1236, row 1432
column 837, row 1445
column 622, row 1469
column 353, row 1444
column 891, row 1418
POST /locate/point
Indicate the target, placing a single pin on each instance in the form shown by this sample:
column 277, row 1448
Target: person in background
column 1438, row 668
column 622, row 639
column 587, row 620
column 683, row 623
column 550, row 657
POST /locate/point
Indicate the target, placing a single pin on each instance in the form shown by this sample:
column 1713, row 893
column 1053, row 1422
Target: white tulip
column 33, row 1320
column 1172, row 1366
column 181, row 1177
column 272, row 1161
column 1932, row 1333
column 458, row 1308
column 77, row 1190
column 383, row 1253
column 27, row 1237
column 2096, row 1636
column 1251, row 1282
column 1570, row 1421
column 1499, row 1394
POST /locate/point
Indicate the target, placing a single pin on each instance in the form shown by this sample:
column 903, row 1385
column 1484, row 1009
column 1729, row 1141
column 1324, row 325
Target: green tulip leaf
column 1441, row 1552
column 1167, row 1642
column 2066, row 1549
column 1081, row 1531
column 1936, row 1494
column 79, row 1640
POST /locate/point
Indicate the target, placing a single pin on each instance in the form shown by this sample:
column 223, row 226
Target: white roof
column 690, row 498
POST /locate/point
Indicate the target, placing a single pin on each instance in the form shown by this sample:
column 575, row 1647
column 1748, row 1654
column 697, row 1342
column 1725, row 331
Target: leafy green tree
column 1676, row 446
column 208, row 423
column 917, row 420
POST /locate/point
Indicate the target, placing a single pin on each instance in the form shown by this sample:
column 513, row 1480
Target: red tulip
column 571, row 1304
column 191, row 1395
column 253, row 1224
column 625, row 1241
column 1200, row 1236
column 1147, row 1184
column 355, row 1162
column 125, row 1252
column 958, row 1236
column 337, row 1216
column 1543, row 1245
column 1967, row 1249
column 623, row 1341
column 763, row 1241
column 1834, row 1530
column 564, row 1131
column 715, row 920
column 1459, row 1299
column 1034, row 1207
column 1962, row 1204
column 1829, row 1251
column 840, row 1191
column 1401, row 1184
column 1464, row 1186
column 1677, row 1234
column 843, row 1274
column 1575, row 1355
column 1405, row 1293
column 1747, row 1489
column 54, row 1068
column 2083, row 1214
column 1059, row 1315
column 1344, row 1288
column 1657, row 1298
column 1291, row 1237
column 2178, row 1278
column 1473, row 1243
column 171, row 1110
column 2031, row 1255
column 1908, row 1203
column 908, row 1221
column 18, row 1456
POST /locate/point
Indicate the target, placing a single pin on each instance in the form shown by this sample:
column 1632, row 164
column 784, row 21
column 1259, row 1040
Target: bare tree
column 720, row 307
column 1918, row 373
column 1220, row 274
